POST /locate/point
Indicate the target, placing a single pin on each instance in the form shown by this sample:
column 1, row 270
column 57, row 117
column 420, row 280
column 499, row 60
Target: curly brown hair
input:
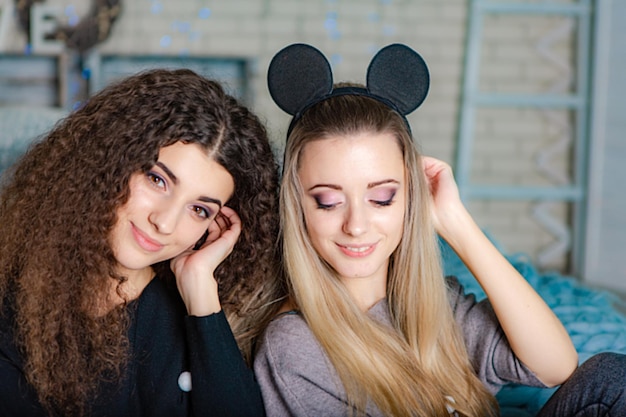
column 59, row 203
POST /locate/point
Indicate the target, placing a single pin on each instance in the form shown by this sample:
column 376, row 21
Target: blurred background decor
column 77, row 33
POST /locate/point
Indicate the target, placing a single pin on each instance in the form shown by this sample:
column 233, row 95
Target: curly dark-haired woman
column 117, row 232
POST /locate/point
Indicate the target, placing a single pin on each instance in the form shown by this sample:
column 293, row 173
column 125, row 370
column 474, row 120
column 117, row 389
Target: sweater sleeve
column 489, row 351
column 222, row 383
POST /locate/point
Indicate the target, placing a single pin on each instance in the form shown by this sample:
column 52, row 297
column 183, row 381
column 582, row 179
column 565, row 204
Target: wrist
column 456, row 226
column 203, row 308
column 201, row 299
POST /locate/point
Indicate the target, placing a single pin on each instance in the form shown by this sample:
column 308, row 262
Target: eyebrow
column 370, row 185
column 169, row 173
column 211, row 200
column 174, row 179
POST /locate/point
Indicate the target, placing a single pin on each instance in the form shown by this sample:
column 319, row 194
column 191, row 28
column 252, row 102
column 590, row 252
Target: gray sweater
column 297, row 378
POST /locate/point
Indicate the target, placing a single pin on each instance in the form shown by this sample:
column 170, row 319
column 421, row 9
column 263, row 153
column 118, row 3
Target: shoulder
column 290, row 352
column 472, row 315
column 157, row 320
column 289, row 338
column 8, row 349
column 461, row 301
column 16, row 395
column 487, row 347
column 161, row 298
column 9, row 355
column 455, row 288
column 293, row 371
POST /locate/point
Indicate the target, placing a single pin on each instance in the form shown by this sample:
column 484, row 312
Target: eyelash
column 206, row 213
column 384, row 203
column 388, row 202
column 155, row 179
column 324, row 206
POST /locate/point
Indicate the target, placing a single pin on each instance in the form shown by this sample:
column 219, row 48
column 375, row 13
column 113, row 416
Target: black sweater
column 165, row 342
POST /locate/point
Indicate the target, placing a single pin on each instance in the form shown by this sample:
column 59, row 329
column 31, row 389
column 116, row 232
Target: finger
column 234, row 222
column 231, row 216
column 222, row 221
column 177, row 262
column 214, row 233
column 231, row 234
column 225, row 226
column 432, row 166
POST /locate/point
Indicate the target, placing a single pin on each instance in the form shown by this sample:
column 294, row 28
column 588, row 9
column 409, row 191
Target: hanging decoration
column 94, row 28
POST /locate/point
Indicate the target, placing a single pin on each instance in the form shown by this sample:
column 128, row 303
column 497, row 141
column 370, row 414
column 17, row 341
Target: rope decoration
column 91, row 30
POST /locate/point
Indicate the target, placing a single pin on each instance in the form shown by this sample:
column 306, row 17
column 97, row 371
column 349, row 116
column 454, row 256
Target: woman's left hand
column 446, row 202
column 194, row 268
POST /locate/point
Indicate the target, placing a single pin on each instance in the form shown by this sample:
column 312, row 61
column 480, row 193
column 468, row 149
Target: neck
column 130, row 290
column 367, row 291
column 136, row 282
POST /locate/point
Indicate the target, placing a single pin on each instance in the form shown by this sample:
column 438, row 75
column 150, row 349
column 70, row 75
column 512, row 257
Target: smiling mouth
column 357, row 251
column 144, row 241
column 360, row 250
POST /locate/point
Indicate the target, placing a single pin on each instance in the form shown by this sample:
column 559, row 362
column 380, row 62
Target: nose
column 356, row 221
column 164, row 220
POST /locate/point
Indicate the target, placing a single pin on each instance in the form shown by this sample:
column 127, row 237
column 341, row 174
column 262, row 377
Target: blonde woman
column 371, row 326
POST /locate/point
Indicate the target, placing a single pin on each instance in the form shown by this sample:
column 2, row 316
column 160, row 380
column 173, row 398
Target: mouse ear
column 297, row 76
column 399, row 74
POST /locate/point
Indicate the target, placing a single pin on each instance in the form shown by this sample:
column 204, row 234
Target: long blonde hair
column 416, row 366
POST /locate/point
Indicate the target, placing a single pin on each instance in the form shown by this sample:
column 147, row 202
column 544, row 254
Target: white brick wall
column 349, row 32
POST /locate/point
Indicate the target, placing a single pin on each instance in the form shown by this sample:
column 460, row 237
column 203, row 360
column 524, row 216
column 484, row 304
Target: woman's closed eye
column 383, row 198
column 327, row 201
column 378, row 197
column 325, row 206
column 383, row 203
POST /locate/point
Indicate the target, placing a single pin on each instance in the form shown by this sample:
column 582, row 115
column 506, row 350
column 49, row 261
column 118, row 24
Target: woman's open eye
column 155, row 179
column 202, row 212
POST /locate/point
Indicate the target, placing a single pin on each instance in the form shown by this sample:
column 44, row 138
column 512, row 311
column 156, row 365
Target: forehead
column 186, row 154
column 195, row 171
column 367, row 156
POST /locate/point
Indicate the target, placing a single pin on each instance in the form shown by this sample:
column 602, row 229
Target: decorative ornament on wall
column 94, row 28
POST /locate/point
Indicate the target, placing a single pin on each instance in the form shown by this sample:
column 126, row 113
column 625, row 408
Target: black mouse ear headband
column 299, row 77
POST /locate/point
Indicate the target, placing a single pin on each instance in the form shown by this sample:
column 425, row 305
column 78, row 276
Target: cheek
column 391, row 221
column 396, row 225
column 191, row 233
column 319, row 225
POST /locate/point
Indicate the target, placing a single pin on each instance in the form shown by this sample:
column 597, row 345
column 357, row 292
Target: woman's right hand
column 535, row 334
column 194, row 268
column 448, row 211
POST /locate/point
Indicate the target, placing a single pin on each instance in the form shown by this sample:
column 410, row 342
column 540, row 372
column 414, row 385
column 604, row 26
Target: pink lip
column 357, row 251
column 145, row 242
